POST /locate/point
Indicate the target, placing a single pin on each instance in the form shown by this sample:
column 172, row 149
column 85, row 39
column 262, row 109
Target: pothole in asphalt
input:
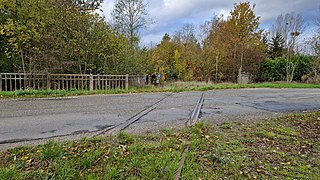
column 281, row 107
column 103, row 127
column 51, row 131
column 81, row 132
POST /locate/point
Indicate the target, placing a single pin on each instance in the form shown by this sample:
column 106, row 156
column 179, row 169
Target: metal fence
column 22, row 81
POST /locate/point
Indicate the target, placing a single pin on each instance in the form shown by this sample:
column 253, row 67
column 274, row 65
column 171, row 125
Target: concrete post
column 127, row 81
column 91, row 82
column 0, row 82
column 48, row 81
column 139, row 82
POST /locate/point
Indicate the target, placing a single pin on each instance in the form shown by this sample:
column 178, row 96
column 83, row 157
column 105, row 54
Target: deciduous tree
column 245, row 25
column 129, row 17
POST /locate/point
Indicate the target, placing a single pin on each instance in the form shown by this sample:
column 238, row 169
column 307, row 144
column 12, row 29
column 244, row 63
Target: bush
column 276, row 69
column 273, row 69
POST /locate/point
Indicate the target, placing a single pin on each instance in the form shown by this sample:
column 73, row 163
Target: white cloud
column 107, row 8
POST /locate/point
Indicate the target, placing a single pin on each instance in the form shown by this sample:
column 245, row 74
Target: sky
column 170, row 15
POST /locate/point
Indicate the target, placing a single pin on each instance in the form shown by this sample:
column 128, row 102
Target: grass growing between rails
column 283, row 148
column 169, row 87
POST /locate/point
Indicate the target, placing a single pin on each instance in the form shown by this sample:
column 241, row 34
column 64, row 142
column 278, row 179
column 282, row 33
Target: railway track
column 192, row 121
column 111, row 130
column 119, row 127
column 196, row 112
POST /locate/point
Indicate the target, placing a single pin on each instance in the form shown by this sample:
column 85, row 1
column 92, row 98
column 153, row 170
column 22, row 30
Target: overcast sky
column 170, row 15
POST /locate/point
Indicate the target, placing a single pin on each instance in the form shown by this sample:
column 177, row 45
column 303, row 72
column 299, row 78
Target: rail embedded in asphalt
column 119, row 127
column 196, row 112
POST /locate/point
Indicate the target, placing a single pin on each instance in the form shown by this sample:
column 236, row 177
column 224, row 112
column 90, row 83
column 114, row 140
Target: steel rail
column 192, row 121
column 111, row 130
column 196, row 112
column 119, row 127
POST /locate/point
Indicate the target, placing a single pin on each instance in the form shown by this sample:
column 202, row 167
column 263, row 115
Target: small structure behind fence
column 21, row 81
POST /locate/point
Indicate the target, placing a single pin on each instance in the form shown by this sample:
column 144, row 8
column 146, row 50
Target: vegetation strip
column 283, row 148
column 72, row 37
column 170, row 87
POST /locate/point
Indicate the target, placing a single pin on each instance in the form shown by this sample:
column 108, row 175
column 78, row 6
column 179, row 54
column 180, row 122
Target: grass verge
column 283, row 148
column 170, row 87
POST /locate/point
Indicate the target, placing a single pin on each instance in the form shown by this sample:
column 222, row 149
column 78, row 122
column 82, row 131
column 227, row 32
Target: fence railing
column 23, row 81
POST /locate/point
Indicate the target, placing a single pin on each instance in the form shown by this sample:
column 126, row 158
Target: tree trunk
column 292, row 72
column 288, row 70
column 240, row 69
column 217, row 61
column 23, row 62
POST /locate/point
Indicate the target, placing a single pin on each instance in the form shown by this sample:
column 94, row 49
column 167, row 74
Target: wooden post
column 5, row 83
column 98, row 87
column 24, row 82
column 48, row 81
column 127, row 81
column 10, row 82
column 0, row 82
column 15, row 82
column 91, row 82
column 20, row 81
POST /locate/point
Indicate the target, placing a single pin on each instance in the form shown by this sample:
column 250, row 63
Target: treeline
column 60, row 36
column 69, row 36
column 230, row 46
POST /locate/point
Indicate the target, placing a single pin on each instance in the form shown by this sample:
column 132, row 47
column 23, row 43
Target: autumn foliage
column 227, row 47
column 69, row 36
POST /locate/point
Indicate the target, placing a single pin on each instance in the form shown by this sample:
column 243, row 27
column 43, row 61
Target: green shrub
column 276, row 69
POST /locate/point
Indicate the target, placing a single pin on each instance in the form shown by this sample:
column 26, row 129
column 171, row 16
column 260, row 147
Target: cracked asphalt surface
column 25, row 119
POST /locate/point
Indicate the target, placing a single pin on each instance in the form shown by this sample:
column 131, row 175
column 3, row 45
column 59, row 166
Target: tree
column 275, row 69
column 245, row 25
column 314, row 42
column 245, row 31
column 216, row 47
column 187, row 53
column 129, row 17
column 276, row 46
column 178, row 57
column 59, row 36
column 287, row 24
column 163, row 57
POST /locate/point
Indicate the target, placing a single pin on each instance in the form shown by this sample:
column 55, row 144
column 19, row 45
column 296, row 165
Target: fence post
column 0, row 82
column 127, row 81
column 48, row 81
column 91, row 82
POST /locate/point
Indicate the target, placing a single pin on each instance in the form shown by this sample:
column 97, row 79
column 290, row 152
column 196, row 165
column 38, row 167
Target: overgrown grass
column 283, row 148
column 56, row 93
column 191, row 86
column 169, row 87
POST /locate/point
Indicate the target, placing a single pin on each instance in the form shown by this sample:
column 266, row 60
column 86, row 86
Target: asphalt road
column 25, row 119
